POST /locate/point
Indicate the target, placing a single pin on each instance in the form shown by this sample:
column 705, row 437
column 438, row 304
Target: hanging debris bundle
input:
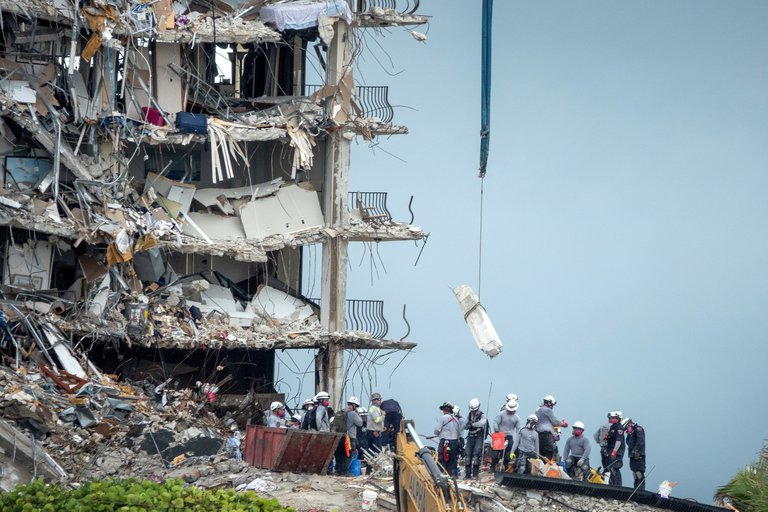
column 478, row 321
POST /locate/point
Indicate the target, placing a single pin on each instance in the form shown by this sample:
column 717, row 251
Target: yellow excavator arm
column 421, row 484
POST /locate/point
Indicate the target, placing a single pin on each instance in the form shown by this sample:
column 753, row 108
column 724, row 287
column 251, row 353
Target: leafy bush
column 132, row 496
column 748, row 489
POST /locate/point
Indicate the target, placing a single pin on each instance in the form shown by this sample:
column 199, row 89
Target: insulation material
column 478, row 321
column 272, row 303
column 28, row 265
column 291, row 209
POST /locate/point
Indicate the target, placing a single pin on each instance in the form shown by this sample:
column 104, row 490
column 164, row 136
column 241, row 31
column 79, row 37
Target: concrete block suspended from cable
column 478, row 321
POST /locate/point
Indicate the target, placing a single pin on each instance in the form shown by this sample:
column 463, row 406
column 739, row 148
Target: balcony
column 372, row 99
column 399, row 6
column 371, row 206
column 365, row 315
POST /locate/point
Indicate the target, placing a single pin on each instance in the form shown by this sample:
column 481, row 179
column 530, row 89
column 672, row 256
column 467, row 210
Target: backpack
column 339, row 422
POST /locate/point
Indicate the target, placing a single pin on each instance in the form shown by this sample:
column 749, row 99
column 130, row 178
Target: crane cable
column 485, row 121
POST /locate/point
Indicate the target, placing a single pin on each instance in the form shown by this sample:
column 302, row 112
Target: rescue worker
column 276, row 418
column 477, row 430
column 601, row 438
column 460, row 450
column 306, row 408
column 511, row 397
column 526, row 445
column 448, row 432
column 616, row 445
column 375, row 423
column 545, row 427
column 321, row 420
column 354, row 422
column 507, row 422
column 576, row 453
column 362, row 440
column 636, row 447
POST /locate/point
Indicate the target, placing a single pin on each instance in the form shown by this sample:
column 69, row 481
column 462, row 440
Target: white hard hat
column 625, row 421
column 323, row 395
column 456, row 409
column 276, row 405
column 362, row 412
column 511, row 406
column 615, row 414
column 578, row 424
column 354, row 400
column 532, row 418
column 474, row 404
column 308, row 401
column 551, row 399
column 510, row 397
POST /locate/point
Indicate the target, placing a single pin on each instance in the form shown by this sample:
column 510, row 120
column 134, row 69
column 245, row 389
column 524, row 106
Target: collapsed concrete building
column 165, row 165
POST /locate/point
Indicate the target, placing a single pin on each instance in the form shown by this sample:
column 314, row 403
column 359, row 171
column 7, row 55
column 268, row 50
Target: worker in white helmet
column 477, row 430
column 576, row 453
column 508, row 423
column 601, row 438
column 526, row 446
column 546, row 426
column 616, row 445
column 276, row 418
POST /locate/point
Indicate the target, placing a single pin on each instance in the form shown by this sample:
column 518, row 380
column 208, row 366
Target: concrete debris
column 162, row 168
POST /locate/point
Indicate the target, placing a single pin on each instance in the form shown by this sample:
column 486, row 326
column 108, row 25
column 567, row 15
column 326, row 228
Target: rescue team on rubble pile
column 515, row 443
column 370, row 429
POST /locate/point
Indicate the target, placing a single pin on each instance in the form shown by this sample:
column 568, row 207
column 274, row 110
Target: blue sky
column 624, row 241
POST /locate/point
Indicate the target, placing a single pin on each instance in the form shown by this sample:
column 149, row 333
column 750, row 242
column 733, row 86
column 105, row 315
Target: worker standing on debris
column 375, row 423
column 507, row 422
column 448, row 431
column 576, row 453
column 601, row 438
column 616, row 444
column 320, row 419
column 306, row 412
column 636, row 447
column 526, row 446
column 545, row 426
column 353, row 424
column 477, row 430
column 276, row 418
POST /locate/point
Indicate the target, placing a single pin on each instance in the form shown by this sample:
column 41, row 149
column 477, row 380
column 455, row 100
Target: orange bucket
column 497, row 440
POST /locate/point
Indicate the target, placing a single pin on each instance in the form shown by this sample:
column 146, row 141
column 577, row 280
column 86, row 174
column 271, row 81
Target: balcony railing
column 371, row 205
column 401, row 6
column 365, row 315
column 373, row 100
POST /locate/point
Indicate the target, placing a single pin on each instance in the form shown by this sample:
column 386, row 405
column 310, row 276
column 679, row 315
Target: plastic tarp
column 304, row 14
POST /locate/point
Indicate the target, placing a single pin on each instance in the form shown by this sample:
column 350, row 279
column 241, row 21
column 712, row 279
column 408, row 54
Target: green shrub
column 132, row 496
column 748, row 489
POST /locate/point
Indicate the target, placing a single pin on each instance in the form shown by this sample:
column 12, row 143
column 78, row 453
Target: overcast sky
column 624, row 240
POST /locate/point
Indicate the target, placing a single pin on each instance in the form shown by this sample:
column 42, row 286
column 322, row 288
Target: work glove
column 512, row 456
column 375, row 434
column 613, row 453
column 581, row 463
column 565, row 424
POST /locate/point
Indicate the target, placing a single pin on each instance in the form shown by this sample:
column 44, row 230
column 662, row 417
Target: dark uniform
column 477, row 427
column 616, row 435
column 636, row 447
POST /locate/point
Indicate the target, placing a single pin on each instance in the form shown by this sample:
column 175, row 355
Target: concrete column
column 330, row 361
